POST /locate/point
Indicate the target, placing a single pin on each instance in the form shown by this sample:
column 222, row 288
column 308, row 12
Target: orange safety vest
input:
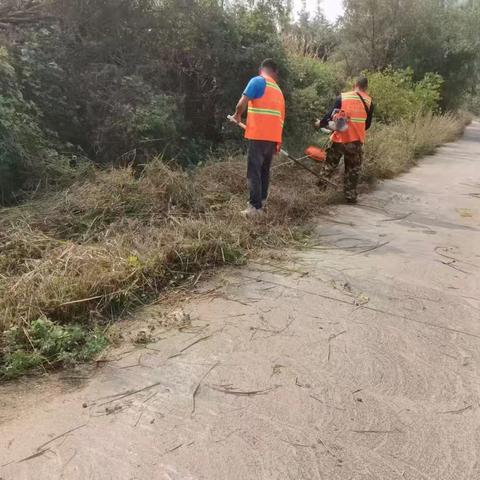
column 266, row 115
column 357, row 118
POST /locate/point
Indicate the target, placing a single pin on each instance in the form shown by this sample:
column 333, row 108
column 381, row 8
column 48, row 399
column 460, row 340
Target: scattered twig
column 67, row 463
column 242, row 393
column 199, row 384
column 296, row 444
column 237, row 301
column 402, row 217
column 184, row 349
column 377, row 431
column 84, row 300
column 326, row 404
column 133, row 365
column 41, row 450
column 449, row 257
column 327, row 217
column 281, row 267
column 336, row 335
column 179, row 446
column 175, row 448
column 272, row 331
column 227, row 437
column 332, row 337
column 139, row 417
column 34, row 455
column 451, row 265
column 42, row 447
column 457, row 412
column 327, row 449
column 375, row 247
column 150, row 397
column 129, row 393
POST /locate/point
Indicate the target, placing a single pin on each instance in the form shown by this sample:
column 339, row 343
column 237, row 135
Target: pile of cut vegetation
column 72, row 262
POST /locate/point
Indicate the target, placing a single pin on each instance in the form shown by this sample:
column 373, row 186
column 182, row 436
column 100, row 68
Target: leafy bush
column 43, row 342
column 28, row 153
column 397, row 96
column 313, row 87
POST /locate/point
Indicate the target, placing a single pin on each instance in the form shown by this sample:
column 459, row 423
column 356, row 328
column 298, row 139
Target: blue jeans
column 260, row 156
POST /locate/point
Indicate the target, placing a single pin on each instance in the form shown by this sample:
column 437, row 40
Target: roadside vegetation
column 119, row 176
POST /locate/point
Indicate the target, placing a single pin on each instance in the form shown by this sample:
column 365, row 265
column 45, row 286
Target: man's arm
column 255, row 89
column 370, row 116
column 241, row 108
column 323, row 123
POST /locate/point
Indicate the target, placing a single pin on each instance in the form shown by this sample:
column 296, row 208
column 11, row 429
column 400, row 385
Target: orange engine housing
column 316, row 154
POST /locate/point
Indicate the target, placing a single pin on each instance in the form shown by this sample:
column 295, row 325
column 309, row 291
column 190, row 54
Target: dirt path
column 358, row 361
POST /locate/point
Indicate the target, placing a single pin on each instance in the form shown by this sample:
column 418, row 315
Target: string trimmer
column 313, row 153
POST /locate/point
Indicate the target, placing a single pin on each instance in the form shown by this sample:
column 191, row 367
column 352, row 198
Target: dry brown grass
column 103, row 244
column 393, row 149
column 112, row 241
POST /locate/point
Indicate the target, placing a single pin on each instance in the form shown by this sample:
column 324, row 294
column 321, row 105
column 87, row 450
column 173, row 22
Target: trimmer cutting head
column 316, row 154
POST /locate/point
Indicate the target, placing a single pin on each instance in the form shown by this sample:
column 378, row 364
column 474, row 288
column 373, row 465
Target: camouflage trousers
column 352, row 154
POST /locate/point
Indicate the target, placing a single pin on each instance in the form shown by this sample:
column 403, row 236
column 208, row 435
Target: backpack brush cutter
column 313, row 153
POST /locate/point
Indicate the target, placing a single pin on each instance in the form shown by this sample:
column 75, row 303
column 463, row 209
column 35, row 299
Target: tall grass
column 76, row 260
column 393, row 149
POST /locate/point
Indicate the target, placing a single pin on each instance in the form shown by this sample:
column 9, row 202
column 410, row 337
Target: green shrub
column 397, row 96
column 28, row 153
column 44, row 342
column 313, row 86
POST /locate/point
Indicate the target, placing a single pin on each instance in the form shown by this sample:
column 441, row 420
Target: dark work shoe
column 351, row 201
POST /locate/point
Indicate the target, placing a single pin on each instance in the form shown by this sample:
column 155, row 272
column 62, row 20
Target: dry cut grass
column 110, row 242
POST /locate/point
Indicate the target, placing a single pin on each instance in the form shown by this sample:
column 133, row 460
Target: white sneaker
column 252, row 212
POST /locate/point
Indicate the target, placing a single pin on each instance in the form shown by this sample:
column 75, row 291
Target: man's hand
column 237, row 117
column 317, row 124
column 278, row 148
column 241, row 109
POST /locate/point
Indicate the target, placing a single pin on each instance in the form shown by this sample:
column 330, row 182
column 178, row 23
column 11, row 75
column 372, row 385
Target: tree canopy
column 116, row 81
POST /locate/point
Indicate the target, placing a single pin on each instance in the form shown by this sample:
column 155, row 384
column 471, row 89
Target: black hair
column 270, row 64
column 362, row 83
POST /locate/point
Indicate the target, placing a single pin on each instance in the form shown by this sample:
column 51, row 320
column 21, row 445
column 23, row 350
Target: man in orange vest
column 266, row 115
column 350, row 118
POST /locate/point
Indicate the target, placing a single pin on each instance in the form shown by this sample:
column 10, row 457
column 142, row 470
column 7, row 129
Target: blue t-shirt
column 255, row 88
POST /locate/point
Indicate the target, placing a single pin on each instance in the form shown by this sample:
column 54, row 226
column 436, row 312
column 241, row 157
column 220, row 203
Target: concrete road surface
column 357, row 360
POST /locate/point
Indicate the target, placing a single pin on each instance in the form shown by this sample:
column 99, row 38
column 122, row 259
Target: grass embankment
column 73, row 261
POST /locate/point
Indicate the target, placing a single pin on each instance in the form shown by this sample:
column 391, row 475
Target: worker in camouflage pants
column 348, row 119
column 352, row 154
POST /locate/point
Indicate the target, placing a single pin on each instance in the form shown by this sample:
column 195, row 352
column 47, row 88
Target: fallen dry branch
column 199, row 384
column 332, row 337
column 371, row 249
column 62, row 435
column 377, row 431
column 242, row 393
column 184, row 349
column 129, row 393
column 457, row 412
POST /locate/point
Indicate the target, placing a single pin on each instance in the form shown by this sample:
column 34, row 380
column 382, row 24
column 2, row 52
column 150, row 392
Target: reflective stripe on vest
column 354, row 108
column 266, row 114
